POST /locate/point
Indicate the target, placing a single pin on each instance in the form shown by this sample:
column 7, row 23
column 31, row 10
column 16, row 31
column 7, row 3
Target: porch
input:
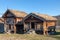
column 37, row 26
column 37, row 23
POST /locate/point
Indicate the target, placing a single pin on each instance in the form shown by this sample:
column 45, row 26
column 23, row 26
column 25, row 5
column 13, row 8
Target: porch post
column 55, row 27
column 35, row 26
column 14, row 28
column 24, row 27
column 30, row 25
column 45, row 28
column 5, row 26
column 14, row 25
column 11, row 28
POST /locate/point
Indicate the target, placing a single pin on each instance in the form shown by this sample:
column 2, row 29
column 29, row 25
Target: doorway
column 9, row 27
column 19, row 29
column 32, row 25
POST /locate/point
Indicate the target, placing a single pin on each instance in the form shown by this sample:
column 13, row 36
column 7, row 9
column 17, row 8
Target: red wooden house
column 19, row 21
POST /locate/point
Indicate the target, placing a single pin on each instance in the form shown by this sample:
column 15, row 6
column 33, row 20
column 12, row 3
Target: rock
column 31, row 31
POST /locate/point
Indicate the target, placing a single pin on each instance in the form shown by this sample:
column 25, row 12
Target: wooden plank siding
column 45, row 28
column 48, row 24
column 51, row 23
column 18, row 19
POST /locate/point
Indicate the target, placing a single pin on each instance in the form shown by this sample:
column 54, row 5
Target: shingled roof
column 17, row 13
column 45, row 16
column 24, row 14
column 41, row 16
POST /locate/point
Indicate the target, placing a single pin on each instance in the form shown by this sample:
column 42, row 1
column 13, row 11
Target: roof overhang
column 3, row 16
column 31, row 14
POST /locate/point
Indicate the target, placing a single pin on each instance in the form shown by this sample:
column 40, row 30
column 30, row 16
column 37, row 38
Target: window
column 10, row 21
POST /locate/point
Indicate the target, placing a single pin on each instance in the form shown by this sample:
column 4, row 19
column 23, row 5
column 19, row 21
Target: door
column 32, row 25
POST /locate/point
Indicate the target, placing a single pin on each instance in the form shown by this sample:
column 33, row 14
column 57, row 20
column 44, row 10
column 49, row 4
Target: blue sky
column 50, row 7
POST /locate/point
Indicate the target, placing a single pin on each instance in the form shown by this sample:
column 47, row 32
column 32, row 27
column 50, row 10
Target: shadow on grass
column 1, row 32
column 56, row 35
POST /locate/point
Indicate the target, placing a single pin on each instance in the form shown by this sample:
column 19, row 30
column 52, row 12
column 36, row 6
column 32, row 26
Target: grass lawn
column 29, row 36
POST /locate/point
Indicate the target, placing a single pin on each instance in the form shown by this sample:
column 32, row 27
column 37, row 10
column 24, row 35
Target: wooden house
column 18, row 21
column 11, row 18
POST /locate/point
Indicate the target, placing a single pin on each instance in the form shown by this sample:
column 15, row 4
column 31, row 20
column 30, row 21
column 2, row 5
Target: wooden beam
column 5, row 27
column 30, row 25
column 14, row 29
column 24, row 27
column 45, row 28
column 14, row 25
column 35, row 26
column 55, row 26
column 11, row 27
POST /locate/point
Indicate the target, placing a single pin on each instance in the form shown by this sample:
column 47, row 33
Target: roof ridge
column 16, row 11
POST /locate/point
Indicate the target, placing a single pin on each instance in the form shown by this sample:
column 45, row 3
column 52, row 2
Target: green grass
column 30, row 36
column 25, row 37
